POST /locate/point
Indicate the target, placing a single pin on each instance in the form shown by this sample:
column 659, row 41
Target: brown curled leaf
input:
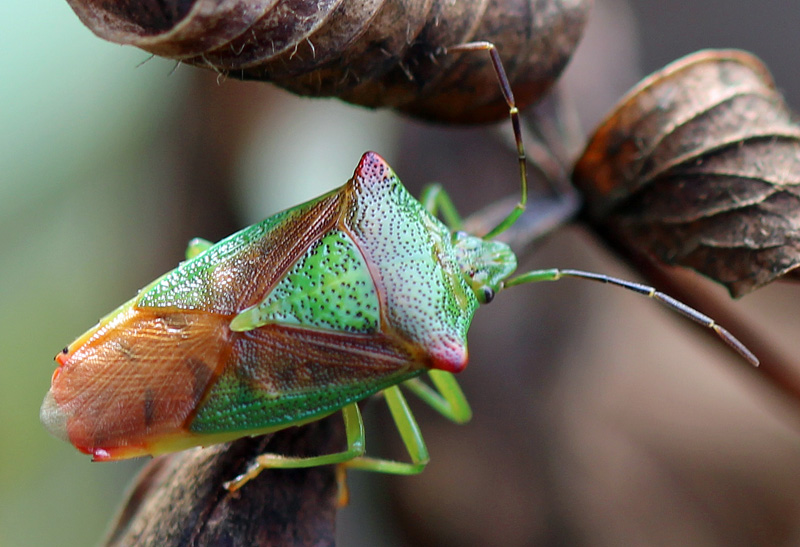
column 376, row 53
column 699, row 166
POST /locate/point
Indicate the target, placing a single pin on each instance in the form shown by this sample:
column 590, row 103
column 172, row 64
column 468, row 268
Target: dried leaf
column 372, row 52
column 699, row 166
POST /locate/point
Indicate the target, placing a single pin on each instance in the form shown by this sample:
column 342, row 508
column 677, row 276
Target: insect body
column 284, row 322
column 314, row 309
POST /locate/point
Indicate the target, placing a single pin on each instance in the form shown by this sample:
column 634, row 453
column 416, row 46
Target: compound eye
column 488, row 295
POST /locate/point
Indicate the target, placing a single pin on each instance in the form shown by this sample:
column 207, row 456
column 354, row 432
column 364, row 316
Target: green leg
column 435, row 199
column 197, row 246
column 412, row 438
column 354, row 427
column 449, row 400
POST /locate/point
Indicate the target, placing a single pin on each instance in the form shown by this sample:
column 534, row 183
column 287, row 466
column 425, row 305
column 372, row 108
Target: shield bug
column 359, row 291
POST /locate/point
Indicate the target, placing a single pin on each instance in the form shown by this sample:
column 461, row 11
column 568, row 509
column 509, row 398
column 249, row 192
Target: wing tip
column 53, row 418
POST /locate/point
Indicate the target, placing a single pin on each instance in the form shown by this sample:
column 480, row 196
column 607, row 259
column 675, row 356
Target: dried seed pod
column 699, row 165
column 376, row 53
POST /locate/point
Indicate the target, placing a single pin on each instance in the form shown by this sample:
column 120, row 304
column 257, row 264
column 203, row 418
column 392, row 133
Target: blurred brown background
column 599, row 418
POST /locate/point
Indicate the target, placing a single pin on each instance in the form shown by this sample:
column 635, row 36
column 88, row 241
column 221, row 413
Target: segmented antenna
column 554, row 274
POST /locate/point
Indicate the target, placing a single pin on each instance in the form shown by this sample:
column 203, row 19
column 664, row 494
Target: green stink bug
column 359, row 291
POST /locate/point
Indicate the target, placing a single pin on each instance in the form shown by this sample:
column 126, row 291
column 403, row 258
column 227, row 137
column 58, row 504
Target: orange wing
column 136, row 378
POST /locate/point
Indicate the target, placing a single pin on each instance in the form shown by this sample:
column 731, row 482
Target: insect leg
column 554, row 274
column 435, row 199
column 513, row 113
column 447, row 399
column 411, row 435
column 197, row 246
column 354, row 427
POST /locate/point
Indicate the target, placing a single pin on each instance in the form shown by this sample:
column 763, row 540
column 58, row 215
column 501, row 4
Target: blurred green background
column 609, row 427
column 65, row 252
column 89, row 212
column 70, row 103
